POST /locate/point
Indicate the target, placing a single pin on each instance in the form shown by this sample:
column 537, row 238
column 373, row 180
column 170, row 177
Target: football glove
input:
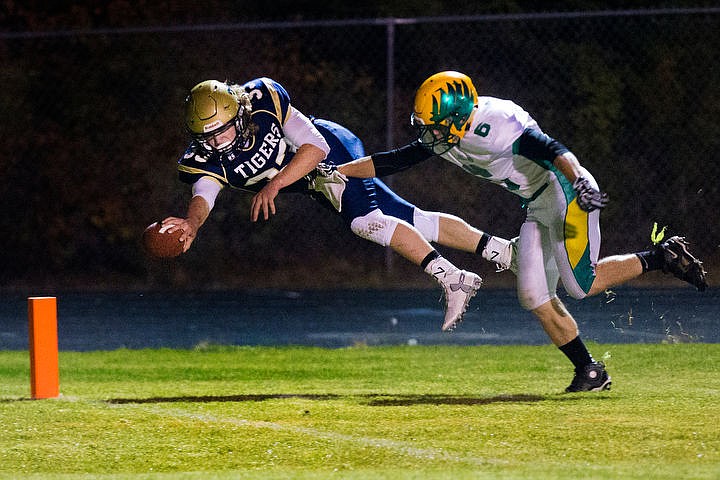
column 589, row 199
column 327, row 180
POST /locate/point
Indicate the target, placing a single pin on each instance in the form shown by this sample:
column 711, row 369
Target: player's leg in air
column 368, row 221
column 671, row 256
column 575, row 237
column 447, row 230
column 358, row 202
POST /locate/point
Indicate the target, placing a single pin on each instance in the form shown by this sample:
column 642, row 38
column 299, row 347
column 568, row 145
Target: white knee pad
column 427, row 223
column 375, row 226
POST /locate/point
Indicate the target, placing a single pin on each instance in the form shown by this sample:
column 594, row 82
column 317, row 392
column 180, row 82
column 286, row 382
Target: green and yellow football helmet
column 211, row 109
column 443, row 109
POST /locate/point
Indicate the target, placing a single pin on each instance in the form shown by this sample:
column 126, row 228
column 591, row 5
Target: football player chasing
column 498, row 141
column 249, row 137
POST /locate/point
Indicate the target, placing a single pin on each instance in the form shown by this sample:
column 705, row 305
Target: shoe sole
column 604, row 386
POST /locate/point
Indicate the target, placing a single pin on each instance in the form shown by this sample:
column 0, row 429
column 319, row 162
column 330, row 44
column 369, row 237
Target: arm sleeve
column 399, row 159
column 538, row 147
column 300, row 131
column 208, row 189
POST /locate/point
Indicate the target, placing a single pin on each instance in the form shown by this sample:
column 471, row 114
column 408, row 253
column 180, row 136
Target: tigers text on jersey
column 486, row 150
column 249, row 165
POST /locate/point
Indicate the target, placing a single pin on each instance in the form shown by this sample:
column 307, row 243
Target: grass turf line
column 378, row 412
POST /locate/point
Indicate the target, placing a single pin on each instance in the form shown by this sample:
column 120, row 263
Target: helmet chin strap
column 226, row 145
column 229, row 144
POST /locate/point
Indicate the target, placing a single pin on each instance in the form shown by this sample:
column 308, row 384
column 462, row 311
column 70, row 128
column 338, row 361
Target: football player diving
column 500, row 142
column 250, row 137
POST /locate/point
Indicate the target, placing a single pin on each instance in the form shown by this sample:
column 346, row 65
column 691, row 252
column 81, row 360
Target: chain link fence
column 92, row 131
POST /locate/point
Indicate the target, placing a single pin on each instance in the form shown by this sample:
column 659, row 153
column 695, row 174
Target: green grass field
column 365, row 412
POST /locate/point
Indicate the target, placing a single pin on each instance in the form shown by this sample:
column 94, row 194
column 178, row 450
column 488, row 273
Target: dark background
column 92, row 101
column 38, row 15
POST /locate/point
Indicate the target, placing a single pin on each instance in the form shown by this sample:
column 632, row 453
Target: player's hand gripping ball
column 161, row 244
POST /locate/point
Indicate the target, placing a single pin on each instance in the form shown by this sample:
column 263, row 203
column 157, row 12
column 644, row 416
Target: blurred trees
column 93, row 129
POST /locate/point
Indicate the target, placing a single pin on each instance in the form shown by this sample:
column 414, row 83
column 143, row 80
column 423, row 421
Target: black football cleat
column 590, row 378
column 681, row 263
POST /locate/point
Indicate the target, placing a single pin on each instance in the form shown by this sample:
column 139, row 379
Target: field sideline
column 421, row 412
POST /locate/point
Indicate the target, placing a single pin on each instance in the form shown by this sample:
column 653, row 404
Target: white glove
column 331, row 183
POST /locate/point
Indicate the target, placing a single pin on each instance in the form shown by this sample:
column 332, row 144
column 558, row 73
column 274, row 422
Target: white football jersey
column 486, row 150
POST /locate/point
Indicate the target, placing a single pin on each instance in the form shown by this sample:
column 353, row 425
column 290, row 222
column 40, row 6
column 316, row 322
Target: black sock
column 429, row 258
column 482, row 243
column 651, row 260
column 578, row 354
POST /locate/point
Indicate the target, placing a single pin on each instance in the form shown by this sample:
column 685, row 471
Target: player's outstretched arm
column 361, row 168
column 386, row 163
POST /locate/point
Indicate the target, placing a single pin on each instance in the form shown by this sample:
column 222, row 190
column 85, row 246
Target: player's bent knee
column 375, row 226
column 531, row 300
column 576, row 292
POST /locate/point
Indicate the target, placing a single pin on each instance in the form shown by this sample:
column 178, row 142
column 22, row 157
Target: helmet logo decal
column 452, row 103
column 208, row 127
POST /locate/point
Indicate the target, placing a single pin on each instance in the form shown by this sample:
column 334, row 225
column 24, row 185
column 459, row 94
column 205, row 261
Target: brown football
column 159, row 243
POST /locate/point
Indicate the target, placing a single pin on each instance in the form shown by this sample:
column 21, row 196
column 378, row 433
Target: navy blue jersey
column 249, row 165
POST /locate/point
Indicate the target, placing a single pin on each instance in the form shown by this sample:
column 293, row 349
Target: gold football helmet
column 443, row 109
column 211, row 109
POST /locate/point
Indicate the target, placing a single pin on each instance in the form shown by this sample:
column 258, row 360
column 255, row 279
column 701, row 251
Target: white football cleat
column 459, row 287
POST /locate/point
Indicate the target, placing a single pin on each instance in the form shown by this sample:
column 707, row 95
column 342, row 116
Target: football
column 161, row 244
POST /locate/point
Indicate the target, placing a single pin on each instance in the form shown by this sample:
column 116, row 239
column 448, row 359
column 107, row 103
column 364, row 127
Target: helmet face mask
column 222, row 139
column 435, row 137
column 212, row 110
column 443, row 110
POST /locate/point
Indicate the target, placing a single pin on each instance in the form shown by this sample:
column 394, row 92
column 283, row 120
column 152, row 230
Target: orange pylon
column 44, row 371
